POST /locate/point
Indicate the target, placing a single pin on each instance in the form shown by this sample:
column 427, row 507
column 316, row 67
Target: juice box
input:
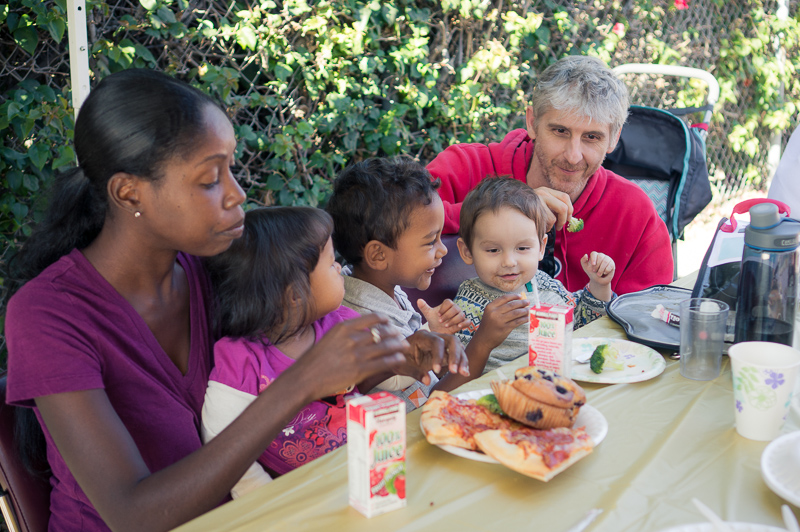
column 376, row 453
column 550, row 338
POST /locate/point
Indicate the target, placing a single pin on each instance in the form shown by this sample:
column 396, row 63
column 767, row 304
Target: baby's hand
column 599, row 267
column 500, row 317
column 447, row 318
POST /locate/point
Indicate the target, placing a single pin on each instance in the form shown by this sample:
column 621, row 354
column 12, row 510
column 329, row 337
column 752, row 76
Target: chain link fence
column 696, row 32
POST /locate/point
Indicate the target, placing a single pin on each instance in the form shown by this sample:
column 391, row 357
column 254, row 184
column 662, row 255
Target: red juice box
column 376, row 453
column 550, row 338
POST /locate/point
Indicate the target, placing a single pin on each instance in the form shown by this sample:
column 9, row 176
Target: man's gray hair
column 585, row 85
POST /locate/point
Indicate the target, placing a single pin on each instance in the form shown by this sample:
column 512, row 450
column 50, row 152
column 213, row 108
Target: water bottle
column 767, row 292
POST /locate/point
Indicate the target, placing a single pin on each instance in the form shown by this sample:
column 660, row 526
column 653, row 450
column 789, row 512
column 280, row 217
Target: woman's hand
column 447, row 318
column 353, row 351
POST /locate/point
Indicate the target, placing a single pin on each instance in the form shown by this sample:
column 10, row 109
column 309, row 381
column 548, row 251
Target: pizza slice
column 540, row 454
column 448, row 420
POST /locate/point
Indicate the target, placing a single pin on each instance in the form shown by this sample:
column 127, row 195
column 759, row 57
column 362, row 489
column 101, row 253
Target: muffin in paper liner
column 529, row 411
column 533, row 381
column 545, row 392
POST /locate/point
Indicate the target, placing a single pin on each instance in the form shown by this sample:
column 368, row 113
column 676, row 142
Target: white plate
column 735, row 527
column 641, row 363
column 780, row 467
column 588, row 417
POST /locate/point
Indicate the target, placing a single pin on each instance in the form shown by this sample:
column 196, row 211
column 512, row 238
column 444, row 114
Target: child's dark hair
column 372, row 200
column 491, row 195
column 257, row 278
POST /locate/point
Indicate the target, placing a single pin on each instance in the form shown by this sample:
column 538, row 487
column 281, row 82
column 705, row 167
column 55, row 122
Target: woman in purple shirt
column 108, row 328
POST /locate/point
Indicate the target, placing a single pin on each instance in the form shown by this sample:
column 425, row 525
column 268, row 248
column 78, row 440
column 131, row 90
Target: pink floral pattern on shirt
column 309, row 436
column 263, row 385
column 319, row 428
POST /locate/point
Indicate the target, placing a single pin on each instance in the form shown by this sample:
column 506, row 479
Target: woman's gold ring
column 376, row 336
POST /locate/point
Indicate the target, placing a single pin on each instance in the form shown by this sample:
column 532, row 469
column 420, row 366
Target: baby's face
column 419, row 249
column 506, row 249
column 327, row 283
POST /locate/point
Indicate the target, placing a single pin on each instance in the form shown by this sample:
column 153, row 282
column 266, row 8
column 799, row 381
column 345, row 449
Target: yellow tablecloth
column 669, row 439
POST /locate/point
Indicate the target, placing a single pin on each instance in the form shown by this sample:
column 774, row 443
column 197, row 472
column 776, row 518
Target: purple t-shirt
column 317, row 429
column 69, row 330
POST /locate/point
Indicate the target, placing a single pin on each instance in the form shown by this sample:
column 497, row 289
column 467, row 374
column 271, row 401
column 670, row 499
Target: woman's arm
column 222, row 405
column 106, row 463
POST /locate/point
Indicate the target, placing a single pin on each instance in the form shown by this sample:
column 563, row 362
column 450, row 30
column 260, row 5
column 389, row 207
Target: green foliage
column 36, row 125
column 749, row 61
column 312, row 89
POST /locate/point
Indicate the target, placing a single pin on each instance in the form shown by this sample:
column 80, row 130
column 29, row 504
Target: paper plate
column 735, row 527
column 641, row 363
column 780, row 467
column 589, row 417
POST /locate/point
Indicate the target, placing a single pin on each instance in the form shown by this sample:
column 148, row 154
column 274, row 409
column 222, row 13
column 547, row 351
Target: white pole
column 774, row 153
column 78, row 52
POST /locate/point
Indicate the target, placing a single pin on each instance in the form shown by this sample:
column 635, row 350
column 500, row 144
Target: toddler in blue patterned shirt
column 502, row 232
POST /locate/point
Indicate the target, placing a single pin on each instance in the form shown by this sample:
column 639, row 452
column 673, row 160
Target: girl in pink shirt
column 279, row 291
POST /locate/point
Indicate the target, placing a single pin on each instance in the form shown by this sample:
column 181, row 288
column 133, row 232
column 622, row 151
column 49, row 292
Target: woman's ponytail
column 74, row 218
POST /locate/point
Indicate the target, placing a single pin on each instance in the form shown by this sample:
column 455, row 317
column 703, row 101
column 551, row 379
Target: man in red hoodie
column 575, row 118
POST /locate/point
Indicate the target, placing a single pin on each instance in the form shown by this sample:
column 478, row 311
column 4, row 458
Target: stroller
column 664, row 155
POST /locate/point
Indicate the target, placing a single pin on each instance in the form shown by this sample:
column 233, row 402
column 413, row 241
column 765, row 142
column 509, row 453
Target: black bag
column 667, row 159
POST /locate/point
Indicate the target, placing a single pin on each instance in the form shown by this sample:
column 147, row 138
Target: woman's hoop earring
column 137, row 214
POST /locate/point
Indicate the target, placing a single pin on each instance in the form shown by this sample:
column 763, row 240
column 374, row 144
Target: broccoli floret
column 574, row 225
column 605, row 356
column 490, row 402
column 597, row 360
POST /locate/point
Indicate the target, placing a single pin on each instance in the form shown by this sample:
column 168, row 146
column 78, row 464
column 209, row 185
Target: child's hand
column 500, row 317
column 434, row 351
column 447, row 318
column 600, row 269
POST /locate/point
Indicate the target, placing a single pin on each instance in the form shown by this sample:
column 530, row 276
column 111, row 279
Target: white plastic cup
column 764, row 375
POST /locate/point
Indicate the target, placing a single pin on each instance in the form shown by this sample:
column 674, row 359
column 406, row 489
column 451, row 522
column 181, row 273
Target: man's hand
column 433, row 351
column 447, row 318
column 559, row 205
column 500, row 317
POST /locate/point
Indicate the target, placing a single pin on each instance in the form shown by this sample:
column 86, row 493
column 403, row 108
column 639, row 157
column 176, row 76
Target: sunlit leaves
column 314, row 86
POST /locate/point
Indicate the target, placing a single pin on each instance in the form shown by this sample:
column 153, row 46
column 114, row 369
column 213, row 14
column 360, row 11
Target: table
column 670, row 439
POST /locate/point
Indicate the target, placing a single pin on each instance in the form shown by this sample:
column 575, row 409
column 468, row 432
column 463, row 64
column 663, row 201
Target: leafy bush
column 313, row 87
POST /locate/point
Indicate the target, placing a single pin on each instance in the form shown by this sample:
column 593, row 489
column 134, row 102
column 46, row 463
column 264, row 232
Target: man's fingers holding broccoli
column 574, row 225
